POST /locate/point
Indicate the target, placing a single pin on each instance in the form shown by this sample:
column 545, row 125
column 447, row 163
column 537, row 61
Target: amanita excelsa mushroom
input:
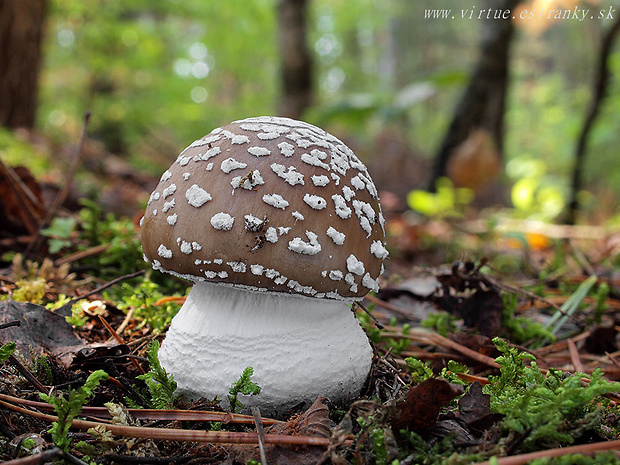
column 279, row 225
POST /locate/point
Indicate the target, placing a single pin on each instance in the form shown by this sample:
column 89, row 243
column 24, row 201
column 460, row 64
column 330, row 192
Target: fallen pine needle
column 574, row 355
column 438, row 340
column 388, row 306
column 261, row 434
column 73, row 257
column 42, row 457
column 120, row 340
column 170, row 299
column 151, row 414
column 472, row 378
column 585, row 449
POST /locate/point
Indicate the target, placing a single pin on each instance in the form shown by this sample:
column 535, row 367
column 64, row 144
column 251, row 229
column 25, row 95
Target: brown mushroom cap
column 268, row 203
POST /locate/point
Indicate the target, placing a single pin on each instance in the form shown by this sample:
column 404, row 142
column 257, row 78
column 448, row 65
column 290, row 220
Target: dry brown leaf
column 423, row 404
column 314, row 422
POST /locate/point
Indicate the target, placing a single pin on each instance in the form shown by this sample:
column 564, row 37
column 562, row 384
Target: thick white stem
column 299, row 347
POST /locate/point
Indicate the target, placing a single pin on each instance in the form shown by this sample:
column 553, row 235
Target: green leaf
column 446, row 201
column 571, row 305
column 59, row 233
column 420, row 371
column 6, row 350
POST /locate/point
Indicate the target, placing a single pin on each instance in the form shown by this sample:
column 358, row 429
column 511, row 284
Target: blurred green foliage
column 448, row 201
column 15, row 150
column 123, row 255
column 442, row 322
column 149, row 71
column 59, row 233
column 158, row 74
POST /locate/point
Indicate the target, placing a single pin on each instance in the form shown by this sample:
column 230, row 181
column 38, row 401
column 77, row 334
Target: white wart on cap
column 271, row 204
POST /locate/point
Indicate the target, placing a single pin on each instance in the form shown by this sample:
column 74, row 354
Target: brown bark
column 21, row 31
column 296, row 71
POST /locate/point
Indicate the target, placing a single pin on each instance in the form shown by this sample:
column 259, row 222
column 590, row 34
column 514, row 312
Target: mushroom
column 278, row 224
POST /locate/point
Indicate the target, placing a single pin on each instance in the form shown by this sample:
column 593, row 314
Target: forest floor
column 495, row 341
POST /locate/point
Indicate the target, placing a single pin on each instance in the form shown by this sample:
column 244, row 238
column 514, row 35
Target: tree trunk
column 296, row 72
column 599, row 93
column 21, row 31
column 482, row 105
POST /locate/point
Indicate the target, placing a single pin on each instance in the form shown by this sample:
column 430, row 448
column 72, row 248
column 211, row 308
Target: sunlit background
column 158, row 74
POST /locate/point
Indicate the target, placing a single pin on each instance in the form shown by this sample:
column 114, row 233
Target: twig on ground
column 151, row 414
column 72, row 459
column 66, row 308
column 10, row 323
column 43, row 457
column 612, row 359
column 261, row 434
column 166, row 434
column 26, row 373
column 120, row 340
column 574, row 355
column 585, row 449
column 111, row 370
column 80, row 255
column 526, row 293
column 388, row 306
column 438, row 340
column 560, row 345
column 132, row 459
column 379, row 325
column 126, row 321
column 392, row 368
column 23, row 370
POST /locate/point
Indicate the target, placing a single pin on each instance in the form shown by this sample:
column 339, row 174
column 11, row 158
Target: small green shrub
column 244, row 385
column 442, row 322
column 160, row 384
column 419, row 370
column 451, row 372
column 124, row 253
column 60, row 233
column 70, row 407
column 520, row 329
column 447, row 201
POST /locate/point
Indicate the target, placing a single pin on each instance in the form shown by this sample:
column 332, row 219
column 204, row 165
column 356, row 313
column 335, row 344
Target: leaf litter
column 433, row 394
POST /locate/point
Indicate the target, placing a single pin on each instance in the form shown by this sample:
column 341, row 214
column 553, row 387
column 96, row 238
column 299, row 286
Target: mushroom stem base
column 299, row 347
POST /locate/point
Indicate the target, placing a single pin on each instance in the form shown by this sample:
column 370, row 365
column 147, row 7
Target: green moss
column 550, row 409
